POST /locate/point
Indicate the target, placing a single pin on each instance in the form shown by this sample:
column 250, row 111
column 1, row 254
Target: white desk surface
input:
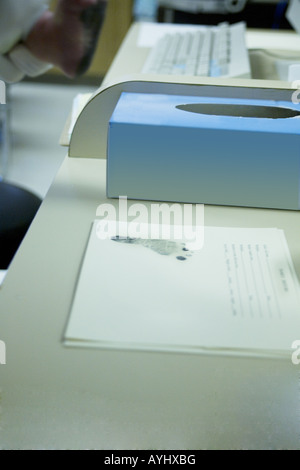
column 58, row 398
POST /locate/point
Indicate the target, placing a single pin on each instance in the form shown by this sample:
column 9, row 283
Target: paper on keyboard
column 238, row 294
column 79, row 103
column 150, row 33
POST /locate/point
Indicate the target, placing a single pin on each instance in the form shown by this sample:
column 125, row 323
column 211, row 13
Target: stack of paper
column 238, row 294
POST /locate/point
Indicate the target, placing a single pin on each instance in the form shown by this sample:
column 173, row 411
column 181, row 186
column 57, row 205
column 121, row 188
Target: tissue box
column 208, row 150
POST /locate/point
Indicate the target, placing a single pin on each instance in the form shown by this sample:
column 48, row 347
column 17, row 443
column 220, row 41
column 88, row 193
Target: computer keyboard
column 211, row 51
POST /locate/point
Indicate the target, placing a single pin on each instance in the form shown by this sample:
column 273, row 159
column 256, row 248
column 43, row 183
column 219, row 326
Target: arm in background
column 33, row 38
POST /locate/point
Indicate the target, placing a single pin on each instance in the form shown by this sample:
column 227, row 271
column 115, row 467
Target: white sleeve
column 9, row 72
column 16, row 20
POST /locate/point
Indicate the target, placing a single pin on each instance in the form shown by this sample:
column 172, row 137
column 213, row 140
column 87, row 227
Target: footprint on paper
column 162, row 247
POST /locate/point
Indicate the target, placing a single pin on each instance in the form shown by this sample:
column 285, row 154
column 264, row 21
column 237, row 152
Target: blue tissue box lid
column 208, row 112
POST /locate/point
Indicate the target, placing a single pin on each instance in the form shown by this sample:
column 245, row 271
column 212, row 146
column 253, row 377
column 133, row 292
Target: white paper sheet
column 293, row 14
column 79, row 103
column 2, row 275
column 150, row 33
column 238, row 293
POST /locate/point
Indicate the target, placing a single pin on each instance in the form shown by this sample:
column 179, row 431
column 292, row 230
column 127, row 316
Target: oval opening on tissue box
column 240, row 110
